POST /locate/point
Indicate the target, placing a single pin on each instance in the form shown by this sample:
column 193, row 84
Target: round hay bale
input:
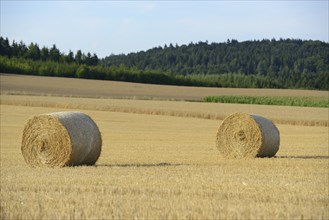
column 243, row 135
column 61, row 139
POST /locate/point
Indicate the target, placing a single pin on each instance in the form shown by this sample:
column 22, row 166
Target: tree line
column 291, row 61
column 34, row 52
column 252, row 64
column 125, row 74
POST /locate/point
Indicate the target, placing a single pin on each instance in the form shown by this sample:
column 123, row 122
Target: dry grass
column 159, row 167
column 36, row 85
column 244, row 135
column 60, row 139
column 155, row 166
column 278, row 114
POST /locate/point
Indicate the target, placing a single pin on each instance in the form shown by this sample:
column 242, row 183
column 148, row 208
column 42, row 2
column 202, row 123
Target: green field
column 265, row 100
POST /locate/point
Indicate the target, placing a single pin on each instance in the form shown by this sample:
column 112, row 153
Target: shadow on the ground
column 304, row 157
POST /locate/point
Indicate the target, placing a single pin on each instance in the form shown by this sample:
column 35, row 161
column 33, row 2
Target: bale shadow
column 303, row 157
column 141, row 165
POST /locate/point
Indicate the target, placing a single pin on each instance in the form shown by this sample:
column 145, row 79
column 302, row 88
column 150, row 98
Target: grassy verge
column 265, row 100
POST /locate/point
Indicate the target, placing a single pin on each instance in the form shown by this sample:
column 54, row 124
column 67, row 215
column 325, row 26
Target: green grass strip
column 267, row 100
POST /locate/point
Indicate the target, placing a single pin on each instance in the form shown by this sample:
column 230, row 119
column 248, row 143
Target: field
column 36, row 85
column 266, row 100
column 159, row 159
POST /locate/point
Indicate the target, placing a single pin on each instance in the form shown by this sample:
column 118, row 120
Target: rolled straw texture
column 61, row 139
column 244, row 135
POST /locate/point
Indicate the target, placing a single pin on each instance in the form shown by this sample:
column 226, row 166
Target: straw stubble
column 61, row 139
column 243, row 135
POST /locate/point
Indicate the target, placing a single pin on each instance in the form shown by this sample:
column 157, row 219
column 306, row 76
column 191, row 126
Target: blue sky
column 114, row 27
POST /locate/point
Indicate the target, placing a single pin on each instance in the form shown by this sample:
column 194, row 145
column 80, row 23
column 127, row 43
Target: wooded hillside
column 289, row 63
column 292, row 62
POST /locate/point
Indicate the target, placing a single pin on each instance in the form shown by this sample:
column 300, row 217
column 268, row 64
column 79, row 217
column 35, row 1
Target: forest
column 283, row 63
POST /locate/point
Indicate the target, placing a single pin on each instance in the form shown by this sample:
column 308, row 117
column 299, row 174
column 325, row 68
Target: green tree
column 33, row 52
column 94, row 60
column 78, row 57
column 70, row 57
column 54, row 53
column 22, row 49
column 44, row 54
column 5, row 48
column 82, row 72
column 261, row 68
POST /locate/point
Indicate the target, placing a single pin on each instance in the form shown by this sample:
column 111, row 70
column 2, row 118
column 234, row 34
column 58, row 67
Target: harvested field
column 36, row 85
column 217, row 111
column 156, row 166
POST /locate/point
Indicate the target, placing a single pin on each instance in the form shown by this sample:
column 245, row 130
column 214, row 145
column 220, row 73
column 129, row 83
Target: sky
column 115, row 27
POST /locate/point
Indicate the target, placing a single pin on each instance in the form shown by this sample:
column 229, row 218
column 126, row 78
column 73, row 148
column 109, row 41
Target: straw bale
column 61, row 139
column 246, row 135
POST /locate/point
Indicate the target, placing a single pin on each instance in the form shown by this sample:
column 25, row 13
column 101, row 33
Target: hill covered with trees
column 293, row 63
column 289, row 63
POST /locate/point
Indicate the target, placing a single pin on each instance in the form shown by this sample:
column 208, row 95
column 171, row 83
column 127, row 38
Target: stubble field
column 159, row 161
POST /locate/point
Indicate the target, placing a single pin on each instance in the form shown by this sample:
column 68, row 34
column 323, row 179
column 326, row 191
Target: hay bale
column 244, row 135
column 61, row 139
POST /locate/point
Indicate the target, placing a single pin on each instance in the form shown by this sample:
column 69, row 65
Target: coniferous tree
column 5, row 49
column 22, row 49
column 70, row 57
column 33, row 52
column 284, row 63
column 44, row 53
column 54, row 53
column 78, row 57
